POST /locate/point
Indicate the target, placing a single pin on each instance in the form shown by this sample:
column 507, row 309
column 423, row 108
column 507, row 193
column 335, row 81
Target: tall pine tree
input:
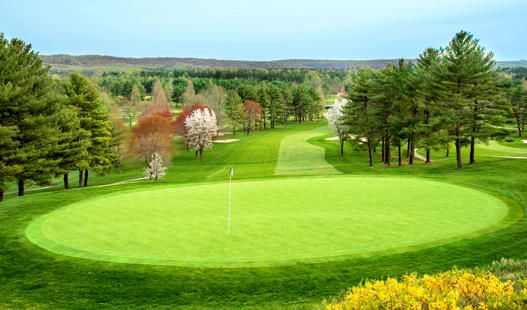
column 95, row 126
column 30, row 111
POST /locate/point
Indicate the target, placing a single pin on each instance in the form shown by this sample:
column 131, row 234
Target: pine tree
column 235, row 111
column 7, row 145
column 276, row 105
column 95, row 125
column 29, row 114
column 429, row 98
column 262, row 93
column 358, row 114
column 73, row 144
column 288, row 102
column 518, row 105
column 383, row 94
column 465, row 79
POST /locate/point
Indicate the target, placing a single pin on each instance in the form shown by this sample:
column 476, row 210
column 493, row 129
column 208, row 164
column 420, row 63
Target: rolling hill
column 85, row 62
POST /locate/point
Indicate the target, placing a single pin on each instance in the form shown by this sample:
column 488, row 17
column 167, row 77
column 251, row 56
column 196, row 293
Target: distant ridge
column 65, row 62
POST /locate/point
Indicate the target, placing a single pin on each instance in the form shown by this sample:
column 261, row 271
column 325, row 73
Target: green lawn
column 273, row 222
column 32, row 277
column 298, row 157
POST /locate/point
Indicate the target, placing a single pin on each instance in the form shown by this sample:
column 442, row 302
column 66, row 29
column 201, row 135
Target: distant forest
column 68, row 63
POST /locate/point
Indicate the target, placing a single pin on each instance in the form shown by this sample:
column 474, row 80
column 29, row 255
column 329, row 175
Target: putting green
column 273, row 222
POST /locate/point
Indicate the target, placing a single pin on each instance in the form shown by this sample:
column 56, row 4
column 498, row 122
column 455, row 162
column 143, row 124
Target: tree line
column 48, row 127
column 452, row 95
column 121, row 83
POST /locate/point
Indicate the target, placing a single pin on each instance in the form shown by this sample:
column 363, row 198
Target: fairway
column 299, row 157
column 274, row 222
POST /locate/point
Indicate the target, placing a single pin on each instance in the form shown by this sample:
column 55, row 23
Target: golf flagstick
column 231, row 173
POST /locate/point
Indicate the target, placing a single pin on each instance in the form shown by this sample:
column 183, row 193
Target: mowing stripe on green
column 299, row 157
column 273, row 222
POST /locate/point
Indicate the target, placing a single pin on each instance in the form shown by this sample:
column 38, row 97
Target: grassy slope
column 30, row 276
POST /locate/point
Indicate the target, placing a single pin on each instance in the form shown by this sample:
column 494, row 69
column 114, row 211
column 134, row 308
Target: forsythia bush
column 455, row 289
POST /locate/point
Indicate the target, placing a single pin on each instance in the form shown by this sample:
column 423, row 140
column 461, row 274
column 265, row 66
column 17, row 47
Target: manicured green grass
column 273, row 222
column 31, row 277
column 298, row 157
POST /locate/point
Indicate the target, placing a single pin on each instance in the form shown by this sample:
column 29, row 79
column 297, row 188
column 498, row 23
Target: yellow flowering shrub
column 456, row 289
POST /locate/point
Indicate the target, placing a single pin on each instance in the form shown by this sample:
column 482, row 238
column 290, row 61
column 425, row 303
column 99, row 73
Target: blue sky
column 264, row 30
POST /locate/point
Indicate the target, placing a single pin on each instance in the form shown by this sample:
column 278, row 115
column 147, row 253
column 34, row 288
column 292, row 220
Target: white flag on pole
column 231, row 174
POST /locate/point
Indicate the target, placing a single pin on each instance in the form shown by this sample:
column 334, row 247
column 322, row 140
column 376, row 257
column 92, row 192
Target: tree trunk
column 387, row 152
column 458, row 149
column 399, row 159
column 518, row 125
column 21, row 187
column 81, row 174
column 447, row 152
column 86, row 178
column 341, row 147
column 427, row 156
column 412, row 153
column 1, row 195
column 66, row 181
column 201, row 155
column 369, row 152
column 196, row 155
column 234, row 132
column 472, row 158
column 382, row 149
column 474, row 129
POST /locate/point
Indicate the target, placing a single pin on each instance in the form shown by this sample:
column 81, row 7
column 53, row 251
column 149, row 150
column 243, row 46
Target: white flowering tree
column 201, row 126
column 156, row 168
column 334, row 115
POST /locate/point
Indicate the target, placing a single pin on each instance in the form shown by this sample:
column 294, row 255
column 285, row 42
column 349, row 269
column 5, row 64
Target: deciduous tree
column 153, row 134
column 201, row 126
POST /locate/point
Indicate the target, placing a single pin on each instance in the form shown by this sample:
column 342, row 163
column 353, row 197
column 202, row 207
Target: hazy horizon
column 264, row 31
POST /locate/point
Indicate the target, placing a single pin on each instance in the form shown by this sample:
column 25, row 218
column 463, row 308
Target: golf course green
column 273, row 222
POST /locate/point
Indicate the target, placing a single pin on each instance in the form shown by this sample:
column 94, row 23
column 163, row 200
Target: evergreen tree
column 288, row 102
column 7, row 145
column 276, row 105
column 358, row 114
column 73, row 144
column 429, row 98
column 518, row 105
column 29, row 114
column 95, row 125
column 262, row 93
column 465, row 79
column 235, row 111
column 382, row 95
